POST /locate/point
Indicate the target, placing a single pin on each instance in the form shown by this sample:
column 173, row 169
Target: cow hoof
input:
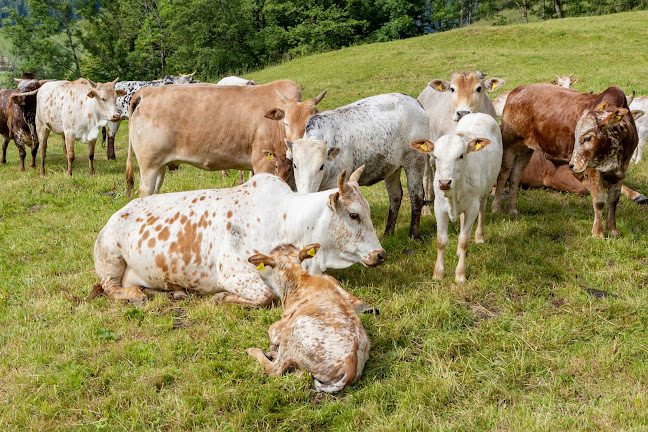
column 366, row 309
column 614, row 234
column 178, row 295
column 641, row 199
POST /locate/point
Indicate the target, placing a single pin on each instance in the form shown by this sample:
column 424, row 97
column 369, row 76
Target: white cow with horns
column 467, row 164
column 200, row 241
column 374, row 132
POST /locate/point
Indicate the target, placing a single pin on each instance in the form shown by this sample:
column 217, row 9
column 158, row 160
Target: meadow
column 549, row 333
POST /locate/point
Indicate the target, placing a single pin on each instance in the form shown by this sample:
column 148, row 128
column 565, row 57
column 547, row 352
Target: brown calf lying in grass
column 319, row 330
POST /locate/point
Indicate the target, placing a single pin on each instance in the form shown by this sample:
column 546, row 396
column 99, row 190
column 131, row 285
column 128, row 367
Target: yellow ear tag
column 424, row 147
column 477, row 146
column 617, row 118
column 261, row 267
column 332, row 157
column 494, row 86
column 440, row 87
column 269, row 156
column 311, row 252
column 277, row 115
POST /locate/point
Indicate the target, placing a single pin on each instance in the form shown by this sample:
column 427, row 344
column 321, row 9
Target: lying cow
column 590, row 131
column 640, row 103
column 565, row 81
column 200, row 241
column 220, row 127
column 467, row 165
column 77, row 110
column 445, row 102
column 130, row 87
column 235, row 81
column 374, row 132
column 319, row 330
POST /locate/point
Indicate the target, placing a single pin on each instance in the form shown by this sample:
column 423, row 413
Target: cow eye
column 589, row 138
column 452, row 89
column 478, row 89
column 461, row 157
column 354, row 216
column 322, row 167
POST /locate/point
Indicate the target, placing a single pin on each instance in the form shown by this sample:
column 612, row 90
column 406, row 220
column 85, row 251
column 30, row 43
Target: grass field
column 523, row 345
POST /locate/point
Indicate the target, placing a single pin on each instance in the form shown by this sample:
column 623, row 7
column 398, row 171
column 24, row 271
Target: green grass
column 520, row 346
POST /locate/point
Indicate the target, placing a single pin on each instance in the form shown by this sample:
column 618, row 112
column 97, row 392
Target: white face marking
column 450, row 160
column 309, row 164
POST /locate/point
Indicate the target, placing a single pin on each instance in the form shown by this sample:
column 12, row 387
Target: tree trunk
column 73, row 48
column 558, row 8
column 543, row 10
column 525, row 12
column 462, row 14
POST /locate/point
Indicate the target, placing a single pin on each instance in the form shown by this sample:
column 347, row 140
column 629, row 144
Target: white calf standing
column 640, row 103
column 467, row 165
column 319, row 330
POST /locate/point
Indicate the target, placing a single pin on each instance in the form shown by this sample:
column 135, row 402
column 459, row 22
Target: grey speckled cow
column 375, row 132
column 130, row 87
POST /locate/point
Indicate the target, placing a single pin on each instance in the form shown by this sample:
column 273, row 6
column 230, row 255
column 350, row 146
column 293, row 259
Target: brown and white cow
column 319, row 330
column 219, row 127
column 77, row 110
column 199, row 241
column 565, row 81
column 447, row 101
column 592, row 132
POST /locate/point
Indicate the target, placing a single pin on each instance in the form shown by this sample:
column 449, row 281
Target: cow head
column 600, row 138
column 295, row 114
column 565, row 81
column 449, row 155
column 285, row 261
column 105, row 98
column 283, row 165
column 184, row 79
column 468, row 90
column 310, row 159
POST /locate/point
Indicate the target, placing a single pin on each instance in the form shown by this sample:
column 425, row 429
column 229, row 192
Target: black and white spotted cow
column 130, row 87
column 375, row 132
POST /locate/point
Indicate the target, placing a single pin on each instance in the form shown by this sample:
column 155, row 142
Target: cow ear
column 268, row 154
column 309, row 251
column 333, row 200
column 637, row 114
column 260, row 261
column 602, row 106
column 121, row 93
column 576, row 80
column 494, row 83
column 332, row 152
column 477, row 144
column 439, row 85
column 92, row 94
column 615, row 117
column 554, row 82
column 423, row 145
column 275, row 114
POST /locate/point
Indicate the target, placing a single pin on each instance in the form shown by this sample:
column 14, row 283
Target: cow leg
column 563, row 179
column 91, row 151
column 598, row 200
column 246, row 289
column 395, row 193
column 274, row 332
column 442, row 240
column 508, row 160
column 5, row 143
column 69, row 148
column 464, row 241
column 111, row 132
column 21, row 152
column 479, row 233
column 428, row 187
column 43, row 135
column 148, row 180
column 160, row 179
column 522, row 160
column 613, row 195
column 111, row 267
column 241, row 177
column 224, row 174
column 276, row 368
column 416, row 193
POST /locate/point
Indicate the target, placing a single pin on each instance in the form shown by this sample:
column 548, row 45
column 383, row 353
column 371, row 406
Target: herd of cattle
column 238, row 243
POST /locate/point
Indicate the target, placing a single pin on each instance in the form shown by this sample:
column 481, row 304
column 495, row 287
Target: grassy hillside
column 523, row 345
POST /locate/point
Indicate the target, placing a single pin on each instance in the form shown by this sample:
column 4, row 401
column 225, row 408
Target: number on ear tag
column 269, row 156
column 261, row 267
column 311, row 252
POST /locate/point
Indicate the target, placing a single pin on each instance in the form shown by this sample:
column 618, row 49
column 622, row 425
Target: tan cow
column 210, row 127
column 319, row 330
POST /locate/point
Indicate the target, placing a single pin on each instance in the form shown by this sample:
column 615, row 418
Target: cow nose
column 115, row 117
column 461, row 114
column 376, row 257
column 445, row 184
column 571, row 166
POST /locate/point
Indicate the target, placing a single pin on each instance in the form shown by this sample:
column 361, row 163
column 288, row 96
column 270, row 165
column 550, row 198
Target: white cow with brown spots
column 200, row 241
column 641, row 121
column 319, row 330
column 467, row 164
column 77, row 110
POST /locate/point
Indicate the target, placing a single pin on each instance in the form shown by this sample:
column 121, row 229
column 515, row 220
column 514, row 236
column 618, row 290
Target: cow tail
column 350, row 368
column 130, row 182
column 10, row 118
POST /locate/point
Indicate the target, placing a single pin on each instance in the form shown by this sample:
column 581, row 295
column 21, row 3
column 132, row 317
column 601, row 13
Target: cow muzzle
column 459, row 114
column 376, row 258
column 115, row 118
column 445, row 184
column 577, row 168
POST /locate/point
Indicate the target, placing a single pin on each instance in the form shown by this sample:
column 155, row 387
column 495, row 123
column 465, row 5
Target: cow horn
column 319, row 97
column 282, row 97
column 571, row 74
column 18, row 79
column 41, row 82
column 92, row 83
column 115, row 81
column 340, row 181
column 356, row 174
column 31, row 93
column 557, row 76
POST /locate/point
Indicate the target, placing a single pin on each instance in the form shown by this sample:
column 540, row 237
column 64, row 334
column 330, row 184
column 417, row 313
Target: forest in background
column 147, row 39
